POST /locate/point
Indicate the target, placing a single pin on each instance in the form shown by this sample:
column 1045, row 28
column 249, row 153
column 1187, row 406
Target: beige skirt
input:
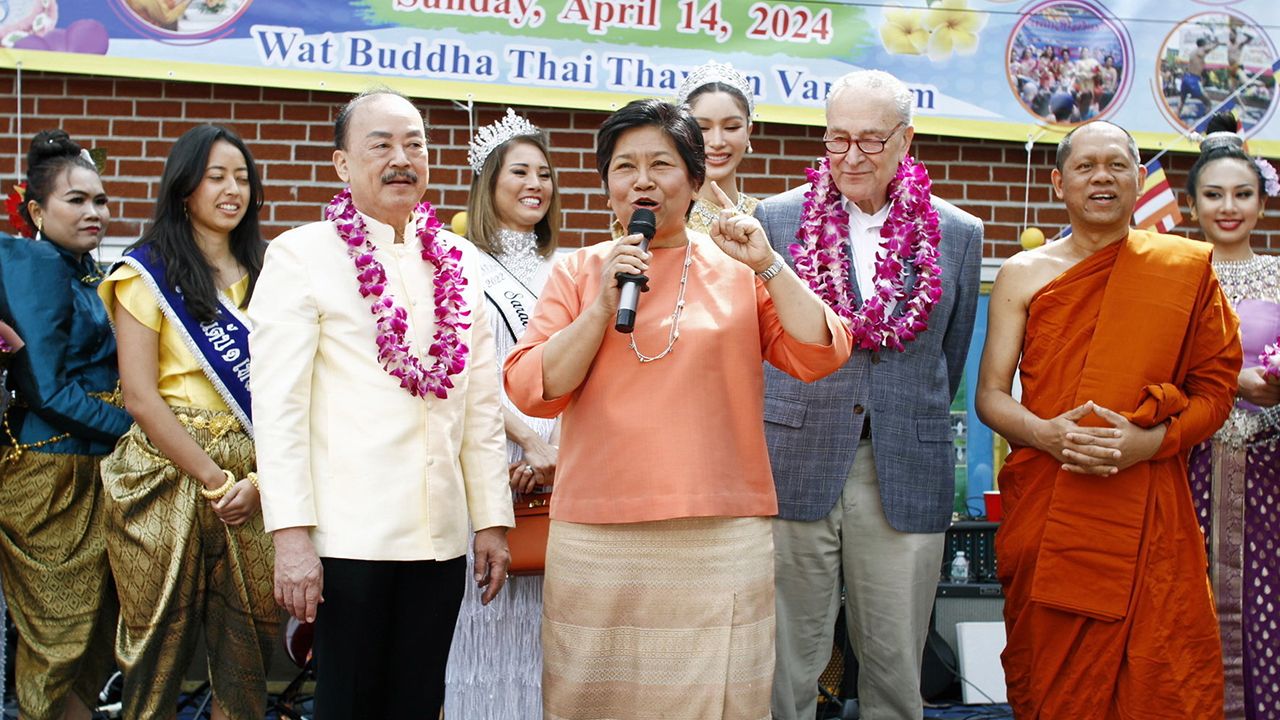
column 671, row 619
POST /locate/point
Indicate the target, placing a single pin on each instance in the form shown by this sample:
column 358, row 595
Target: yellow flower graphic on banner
column 903, row 31
column 953, row 27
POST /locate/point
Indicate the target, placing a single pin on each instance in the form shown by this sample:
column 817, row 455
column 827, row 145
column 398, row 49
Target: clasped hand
column 238, row 505
column 1098, row 451
column 538, row 467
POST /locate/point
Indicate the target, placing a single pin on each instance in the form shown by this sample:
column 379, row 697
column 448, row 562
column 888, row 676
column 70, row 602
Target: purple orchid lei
column 910, row 235
column 1270, row 359
column 395, row 354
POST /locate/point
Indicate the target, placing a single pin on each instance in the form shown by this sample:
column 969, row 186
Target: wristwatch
column 772, row 271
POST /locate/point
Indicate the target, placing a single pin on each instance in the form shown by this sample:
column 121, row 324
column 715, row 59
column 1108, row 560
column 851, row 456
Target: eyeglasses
column 841, row 145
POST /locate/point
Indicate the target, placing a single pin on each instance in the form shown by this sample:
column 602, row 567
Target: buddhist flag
column 1157, row 207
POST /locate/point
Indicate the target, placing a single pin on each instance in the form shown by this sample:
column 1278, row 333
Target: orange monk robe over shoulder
column 682, row 436
column 1107, row 601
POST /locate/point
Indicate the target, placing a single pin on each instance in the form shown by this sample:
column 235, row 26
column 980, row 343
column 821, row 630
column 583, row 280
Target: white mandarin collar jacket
column 376, row 473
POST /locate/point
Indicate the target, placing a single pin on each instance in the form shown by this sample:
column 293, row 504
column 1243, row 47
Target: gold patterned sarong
column 53, row 558
column 671, row 619
column 182, row 572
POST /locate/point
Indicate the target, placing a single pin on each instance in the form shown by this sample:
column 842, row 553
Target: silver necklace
column 675, row 316
column 1256, row 278
column 518, row 253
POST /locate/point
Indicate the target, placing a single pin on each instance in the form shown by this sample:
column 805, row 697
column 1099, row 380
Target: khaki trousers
column 890, row 579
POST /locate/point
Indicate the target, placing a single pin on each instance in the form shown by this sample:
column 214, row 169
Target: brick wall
column 290, row 134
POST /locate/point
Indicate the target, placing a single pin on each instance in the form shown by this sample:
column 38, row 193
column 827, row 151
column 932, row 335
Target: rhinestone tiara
column 490, row 137
column 1222, row 138
column 713, row 72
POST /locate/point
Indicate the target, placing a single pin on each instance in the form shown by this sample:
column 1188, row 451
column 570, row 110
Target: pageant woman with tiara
column 722, row 101
column 495, row 664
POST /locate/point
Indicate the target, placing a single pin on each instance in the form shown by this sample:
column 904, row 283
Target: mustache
column 393, row 175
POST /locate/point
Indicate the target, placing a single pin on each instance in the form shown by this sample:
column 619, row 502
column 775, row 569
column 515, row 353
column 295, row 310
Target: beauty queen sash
column 512, row 298
column 220, row 347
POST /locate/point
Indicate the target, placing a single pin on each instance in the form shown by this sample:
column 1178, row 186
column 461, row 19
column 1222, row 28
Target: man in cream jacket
column 369, row 480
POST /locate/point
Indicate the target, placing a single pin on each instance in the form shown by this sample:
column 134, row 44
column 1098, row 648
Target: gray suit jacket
column 813, row 428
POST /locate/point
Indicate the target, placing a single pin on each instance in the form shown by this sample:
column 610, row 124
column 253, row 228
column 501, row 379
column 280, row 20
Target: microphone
column 642, row 223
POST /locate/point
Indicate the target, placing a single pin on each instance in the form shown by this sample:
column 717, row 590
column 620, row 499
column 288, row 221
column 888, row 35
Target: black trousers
column 382, row 637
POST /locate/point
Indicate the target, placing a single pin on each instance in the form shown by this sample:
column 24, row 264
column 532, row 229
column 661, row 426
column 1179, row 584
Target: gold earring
column 1193, row 215
column 1262, row 212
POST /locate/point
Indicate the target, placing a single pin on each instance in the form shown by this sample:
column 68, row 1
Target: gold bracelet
column 218, row 494
column 253, row 478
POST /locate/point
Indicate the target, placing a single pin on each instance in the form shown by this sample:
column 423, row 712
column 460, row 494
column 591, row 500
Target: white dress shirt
column 865, row 244
column 376, row 473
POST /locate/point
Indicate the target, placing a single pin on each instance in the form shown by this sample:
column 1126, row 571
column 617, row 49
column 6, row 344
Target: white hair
column 876, row 80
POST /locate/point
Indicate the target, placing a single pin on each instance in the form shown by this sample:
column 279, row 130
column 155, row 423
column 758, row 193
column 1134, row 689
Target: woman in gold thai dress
column 184, row 530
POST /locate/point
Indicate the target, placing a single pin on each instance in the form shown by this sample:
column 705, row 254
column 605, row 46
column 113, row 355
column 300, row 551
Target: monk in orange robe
column 1129, row 357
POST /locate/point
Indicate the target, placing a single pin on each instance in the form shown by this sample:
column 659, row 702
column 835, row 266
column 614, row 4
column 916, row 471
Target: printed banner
column 1000, row 69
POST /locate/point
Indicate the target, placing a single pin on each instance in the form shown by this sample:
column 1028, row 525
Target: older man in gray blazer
column 862, row 459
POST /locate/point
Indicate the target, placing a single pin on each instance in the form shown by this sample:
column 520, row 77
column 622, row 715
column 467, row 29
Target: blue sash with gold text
column 220, row 347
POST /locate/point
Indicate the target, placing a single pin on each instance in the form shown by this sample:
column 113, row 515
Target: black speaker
column 968, row 602
column 937, row 666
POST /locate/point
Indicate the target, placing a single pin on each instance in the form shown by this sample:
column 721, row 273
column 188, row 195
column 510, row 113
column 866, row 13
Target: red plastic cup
column 995, row 510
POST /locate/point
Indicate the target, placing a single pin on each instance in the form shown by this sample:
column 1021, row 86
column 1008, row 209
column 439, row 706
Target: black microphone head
column 643, row 222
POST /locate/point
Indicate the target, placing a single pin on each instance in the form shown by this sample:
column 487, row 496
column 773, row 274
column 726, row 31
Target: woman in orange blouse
column 659, row 588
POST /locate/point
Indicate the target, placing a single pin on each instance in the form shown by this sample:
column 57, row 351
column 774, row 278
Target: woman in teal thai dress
column 64, row 418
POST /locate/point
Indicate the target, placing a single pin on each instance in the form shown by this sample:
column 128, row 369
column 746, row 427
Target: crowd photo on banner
column 697, row 462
